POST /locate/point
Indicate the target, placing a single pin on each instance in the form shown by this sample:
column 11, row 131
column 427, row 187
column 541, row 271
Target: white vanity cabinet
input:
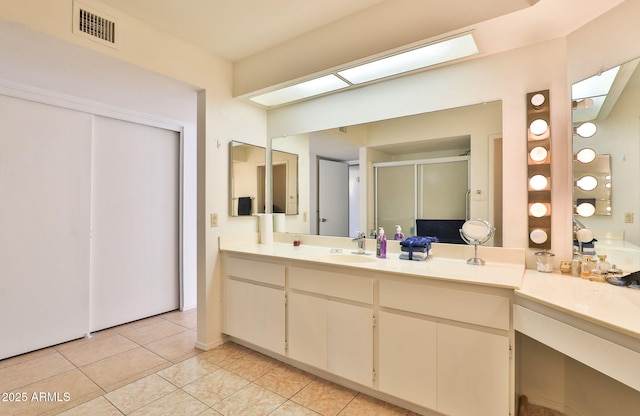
column 254, row 302
column 423, row 343
column 445, row 348
column 330, row 319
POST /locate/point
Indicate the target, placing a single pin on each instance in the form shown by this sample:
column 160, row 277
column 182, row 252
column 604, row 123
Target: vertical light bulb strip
column 539, row 169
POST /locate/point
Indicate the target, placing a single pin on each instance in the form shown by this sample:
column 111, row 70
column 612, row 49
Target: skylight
column 418, row 58
column 429, row 55
column 302, row 90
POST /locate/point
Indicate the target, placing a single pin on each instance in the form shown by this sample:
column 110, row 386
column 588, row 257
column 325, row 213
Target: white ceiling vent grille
column 94, row 25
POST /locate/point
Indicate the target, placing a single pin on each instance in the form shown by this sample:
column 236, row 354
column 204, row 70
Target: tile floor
column 150, row 367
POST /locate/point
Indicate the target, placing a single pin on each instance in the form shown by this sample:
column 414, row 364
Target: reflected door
column 333, row 198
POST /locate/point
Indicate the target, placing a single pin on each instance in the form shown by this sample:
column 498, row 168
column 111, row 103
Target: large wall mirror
column 248, row 180
column 606, row 143
column 425, row 150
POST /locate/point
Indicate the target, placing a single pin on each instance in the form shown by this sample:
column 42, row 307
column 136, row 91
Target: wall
column 220, row 119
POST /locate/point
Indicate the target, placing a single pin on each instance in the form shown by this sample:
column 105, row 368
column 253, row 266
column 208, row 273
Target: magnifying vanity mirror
column 247, row 175
column 606, row 168
column 476, row 232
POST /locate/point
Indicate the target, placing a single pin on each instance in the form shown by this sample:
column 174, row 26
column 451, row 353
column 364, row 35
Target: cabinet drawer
column 339, row 285
column 458, row 305
column 256, row 271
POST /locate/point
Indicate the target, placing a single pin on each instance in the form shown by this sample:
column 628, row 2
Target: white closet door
column 44, row 225
column 134, row 222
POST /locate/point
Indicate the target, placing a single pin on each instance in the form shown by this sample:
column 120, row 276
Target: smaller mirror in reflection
column 247, row 180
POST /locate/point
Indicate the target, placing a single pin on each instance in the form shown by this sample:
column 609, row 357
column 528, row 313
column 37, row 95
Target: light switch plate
column 214, row 220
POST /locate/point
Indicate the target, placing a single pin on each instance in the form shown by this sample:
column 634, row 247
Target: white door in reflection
column 333, row 198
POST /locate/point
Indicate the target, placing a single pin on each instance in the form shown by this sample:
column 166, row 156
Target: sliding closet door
column 134, row 222
column 44, row 225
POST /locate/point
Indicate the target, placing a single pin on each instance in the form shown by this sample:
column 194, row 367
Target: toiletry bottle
column 586, row 266
column 603, row 264
column 381, row 246
column 398, row 235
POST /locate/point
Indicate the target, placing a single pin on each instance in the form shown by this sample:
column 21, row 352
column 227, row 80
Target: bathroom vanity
column 429, row 336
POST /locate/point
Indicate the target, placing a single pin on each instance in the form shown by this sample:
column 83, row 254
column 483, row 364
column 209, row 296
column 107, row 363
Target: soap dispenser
column 398, row 235
column 381, row 246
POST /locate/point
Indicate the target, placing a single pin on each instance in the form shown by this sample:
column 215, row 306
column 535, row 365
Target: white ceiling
column 275, row 42
column 237, row 29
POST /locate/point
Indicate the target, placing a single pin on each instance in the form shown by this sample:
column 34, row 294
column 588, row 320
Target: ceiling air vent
column 94, row 25
column 343, row 130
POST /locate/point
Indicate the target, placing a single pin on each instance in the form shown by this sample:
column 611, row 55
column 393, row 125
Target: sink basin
column 349, row 258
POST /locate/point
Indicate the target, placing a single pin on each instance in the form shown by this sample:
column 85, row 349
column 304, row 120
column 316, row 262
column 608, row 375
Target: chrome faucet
column 360, row 239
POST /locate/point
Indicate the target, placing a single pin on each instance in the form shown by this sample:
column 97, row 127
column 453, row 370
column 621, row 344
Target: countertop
column 502, row 275
column 613, row 307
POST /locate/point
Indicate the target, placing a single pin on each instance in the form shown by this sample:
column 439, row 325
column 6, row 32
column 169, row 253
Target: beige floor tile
column 252, row 400
column 324, row 397
column 137, row 324
column 252, row 366
column 135, row 395
column 363, row 405
column 209, row 412
column 285, row 380
column 31, row 371
column 98, row 406
column 80, row 341
column 187, row 319
column 54, row 395
column 152, row 332
column 177, row 403
column 176, row 347
column 118, row 370
column 188, row 371
column 293, row 409
column 26, row 357
column 216, row 386
column 96, row 349
column 225, row 353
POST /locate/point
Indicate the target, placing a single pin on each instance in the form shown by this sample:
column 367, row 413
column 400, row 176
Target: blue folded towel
column 419, row 244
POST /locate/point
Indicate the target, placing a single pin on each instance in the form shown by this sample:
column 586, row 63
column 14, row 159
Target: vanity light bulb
column 586, row 155
column 586, row 209
column 538, row 236
column 538, row 182
column 538, row 126
column 587, row 183
column 538, row 154
column 586, row 130
column 537, row 100
column 538, row 209
column 607, row 185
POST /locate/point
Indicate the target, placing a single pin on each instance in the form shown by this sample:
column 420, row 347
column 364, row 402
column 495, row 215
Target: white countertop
column 614, row 307
column 503, row 275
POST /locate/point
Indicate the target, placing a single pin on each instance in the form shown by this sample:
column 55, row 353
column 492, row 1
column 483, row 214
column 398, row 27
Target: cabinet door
column 256, row 314
column 473, row 372
column 308, row 329
column 407, row 358
column 350, row 342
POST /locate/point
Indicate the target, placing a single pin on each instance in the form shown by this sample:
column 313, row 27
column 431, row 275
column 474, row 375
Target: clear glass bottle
column 586, row 266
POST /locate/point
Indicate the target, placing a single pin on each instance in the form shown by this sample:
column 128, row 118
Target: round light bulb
column 538, row 236
column 586, row 155
column 538, row 154
column 586, row 209
column 587, row 183
column 538, row 209
column 538, row 126
column 538, row 182
column 586, row 130
column 537, row 100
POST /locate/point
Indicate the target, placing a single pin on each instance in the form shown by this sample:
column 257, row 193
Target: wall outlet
column 628, row 217
column 214, row 220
